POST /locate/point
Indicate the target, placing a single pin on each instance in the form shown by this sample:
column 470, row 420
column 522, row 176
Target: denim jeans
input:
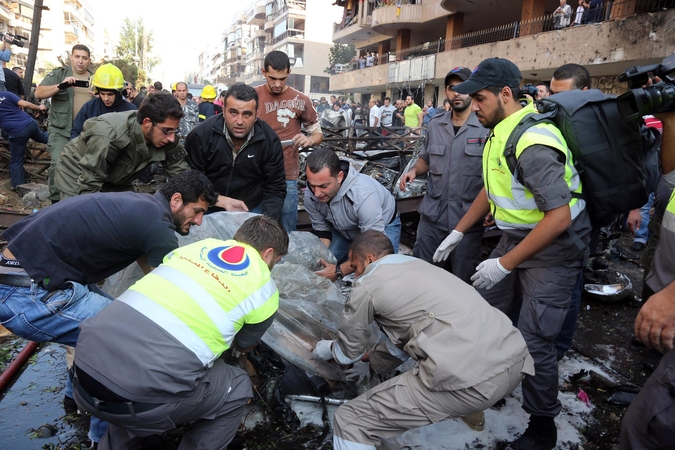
column 339, row 245
column 17, row 149
column 642, row 235
column 38, row 315
column 289, row 212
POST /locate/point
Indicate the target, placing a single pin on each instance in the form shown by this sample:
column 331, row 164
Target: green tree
column 135, row 48
column 130, row 70
column 340, row 54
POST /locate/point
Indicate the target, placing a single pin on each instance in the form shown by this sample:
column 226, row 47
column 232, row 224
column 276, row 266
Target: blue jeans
column 38, row 315
column 339, row 245
column 289, row 212
column 642, row 235
column 17, row 150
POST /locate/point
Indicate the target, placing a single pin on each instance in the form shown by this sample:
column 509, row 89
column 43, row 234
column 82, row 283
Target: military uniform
column 60, row 120
column 455, row 179
column 110, row 154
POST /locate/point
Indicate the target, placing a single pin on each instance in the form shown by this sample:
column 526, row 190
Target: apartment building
column 300, row 28
column 64, row 23
column 418, row 41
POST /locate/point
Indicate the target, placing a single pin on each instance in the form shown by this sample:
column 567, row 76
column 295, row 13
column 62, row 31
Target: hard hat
column 173, row 86
column 108, row 76
column 208, row 93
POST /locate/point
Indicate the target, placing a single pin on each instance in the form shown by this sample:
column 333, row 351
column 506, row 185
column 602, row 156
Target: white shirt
column 375, row 113
column 386, row 115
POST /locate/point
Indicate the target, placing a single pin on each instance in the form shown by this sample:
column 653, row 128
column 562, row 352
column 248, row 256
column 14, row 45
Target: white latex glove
column 447, row 246
column 323, row 349
column 488, row 273
column 359, row 373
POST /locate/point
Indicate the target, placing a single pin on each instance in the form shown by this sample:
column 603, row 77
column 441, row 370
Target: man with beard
column 546, row 230
column 108, row 83
column 55, row 257
column 452, row 156
column 113, row 149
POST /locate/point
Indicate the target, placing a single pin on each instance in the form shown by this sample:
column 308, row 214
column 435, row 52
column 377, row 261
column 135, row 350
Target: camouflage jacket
column 189, row 121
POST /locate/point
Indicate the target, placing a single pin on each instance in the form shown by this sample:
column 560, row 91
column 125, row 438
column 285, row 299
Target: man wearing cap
column 546, row 233
column 322, row 106
column 452, row 156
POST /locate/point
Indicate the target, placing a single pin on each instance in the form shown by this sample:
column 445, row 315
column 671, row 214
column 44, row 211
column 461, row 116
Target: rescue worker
column 289, row 113
column 240, row 155
column 546, row 233
column 452, row 156
column 113, row 149
column 205, row 299
column 468, row 355
column 206, row 109
column 48, row 283
column 342, row 203
column 649, row 422
column 66, row 101
column 108, row 83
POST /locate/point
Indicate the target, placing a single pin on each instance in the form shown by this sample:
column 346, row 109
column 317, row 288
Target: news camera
column 13, row 39
column 656, row 98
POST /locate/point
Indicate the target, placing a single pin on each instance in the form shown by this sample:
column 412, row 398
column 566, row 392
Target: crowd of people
column 476, row 329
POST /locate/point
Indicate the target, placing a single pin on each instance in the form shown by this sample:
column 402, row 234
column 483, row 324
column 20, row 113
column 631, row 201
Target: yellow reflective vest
column 512, row 204
column 204, row 293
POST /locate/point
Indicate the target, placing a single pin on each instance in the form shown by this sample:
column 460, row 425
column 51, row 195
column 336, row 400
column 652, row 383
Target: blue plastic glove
column 359, row 373
column 488, row 273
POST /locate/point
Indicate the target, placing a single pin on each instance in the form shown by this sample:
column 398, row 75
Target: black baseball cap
column 460, row 72
column 490, row 72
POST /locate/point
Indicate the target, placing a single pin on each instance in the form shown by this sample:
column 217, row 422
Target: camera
column 13, row 39
column 530, row 90
column 656, row 98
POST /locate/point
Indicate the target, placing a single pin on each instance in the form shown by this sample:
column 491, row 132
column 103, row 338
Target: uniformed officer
column 67, row 100
column 546, row 233
column 452, row 156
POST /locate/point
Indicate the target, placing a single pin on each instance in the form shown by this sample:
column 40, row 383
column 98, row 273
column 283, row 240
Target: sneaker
column 69, row 405
column 637, row 246
column 475, row 421
column 541, row 434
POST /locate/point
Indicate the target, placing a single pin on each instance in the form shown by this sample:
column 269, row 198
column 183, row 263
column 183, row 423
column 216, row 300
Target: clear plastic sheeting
column 309, row 307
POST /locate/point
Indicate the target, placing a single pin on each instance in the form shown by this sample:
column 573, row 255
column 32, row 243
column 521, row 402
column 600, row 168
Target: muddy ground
column 31, row 414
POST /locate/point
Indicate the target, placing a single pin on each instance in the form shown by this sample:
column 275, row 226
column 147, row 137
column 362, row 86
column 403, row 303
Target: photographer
column 562, row 15
column 5, row 54
column 648, row 422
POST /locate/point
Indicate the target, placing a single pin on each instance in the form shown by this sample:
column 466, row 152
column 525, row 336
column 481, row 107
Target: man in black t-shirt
column 57, row 255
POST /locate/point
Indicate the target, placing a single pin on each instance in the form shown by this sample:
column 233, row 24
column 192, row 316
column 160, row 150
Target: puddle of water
column 35, row 400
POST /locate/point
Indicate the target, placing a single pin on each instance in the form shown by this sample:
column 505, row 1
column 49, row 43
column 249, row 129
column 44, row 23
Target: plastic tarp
column 309, row 305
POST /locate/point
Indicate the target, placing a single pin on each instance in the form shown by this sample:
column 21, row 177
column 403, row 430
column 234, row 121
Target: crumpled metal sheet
column 309, row 305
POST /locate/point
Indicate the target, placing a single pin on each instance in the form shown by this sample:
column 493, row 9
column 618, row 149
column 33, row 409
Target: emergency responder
column 206, row 109
column 649, row 422
column 65, row 104
column 546, row 233
column 206, row 298
column 47, row 281
column 256, row 182
column 468, row 355
column 288, row 112
column 342, row 203
column 114, row 148
column 108, row 83
column 452, row 155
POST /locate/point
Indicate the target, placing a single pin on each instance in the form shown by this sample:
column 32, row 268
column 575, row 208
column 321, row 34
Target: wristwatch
column 338, row 273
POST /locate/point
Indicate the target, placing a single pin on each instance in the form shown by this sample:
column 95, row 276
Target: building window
column 320, row 84
column 296, row 81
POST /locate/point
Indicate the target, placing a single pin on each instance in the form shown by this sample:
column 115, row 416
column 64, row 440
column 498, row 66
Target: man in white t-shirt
column 375, row 114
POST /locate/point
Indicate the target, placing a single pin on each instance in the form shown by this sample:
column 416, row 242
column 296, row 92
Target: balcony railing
column 608, row 10
column 299, row 34
column 290, row 4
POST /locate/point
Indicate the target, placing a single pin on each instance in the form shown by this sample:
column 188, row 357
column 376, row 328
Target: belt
column 394, row 216
column 15, row 280
column 131, row 408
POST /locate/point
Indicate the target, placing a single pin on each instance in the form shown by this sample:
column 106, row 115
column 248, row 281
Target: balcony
column 288, row 34
column 256, row 34
column 388, row 18
column 535, row 46
column 254, row 56
column 255, row 14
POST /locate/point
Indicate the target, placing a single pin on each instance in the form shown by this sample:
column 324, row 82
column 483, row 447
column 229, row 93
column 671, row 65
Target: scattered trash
column 583, row 396
column 618, row 253
column 622, row 398
column 31, row 200
column 607, row 286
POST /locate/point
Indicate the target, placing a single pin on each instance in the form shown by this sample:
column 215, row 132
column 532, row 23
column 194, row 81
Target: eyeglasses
column 166, row 131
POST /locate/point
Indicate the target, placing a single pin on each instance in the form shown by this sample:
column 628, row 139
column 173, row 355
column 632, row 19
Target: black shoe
column 637, row 246
column 69, row 405
column 541, row 434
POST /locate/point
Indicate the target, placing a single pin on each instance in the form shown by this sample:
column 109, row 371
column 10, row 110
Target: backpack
column 616, row 160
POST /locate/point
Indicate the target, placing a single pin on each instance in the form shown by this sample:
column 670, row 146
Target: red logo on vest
column 231, row 257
